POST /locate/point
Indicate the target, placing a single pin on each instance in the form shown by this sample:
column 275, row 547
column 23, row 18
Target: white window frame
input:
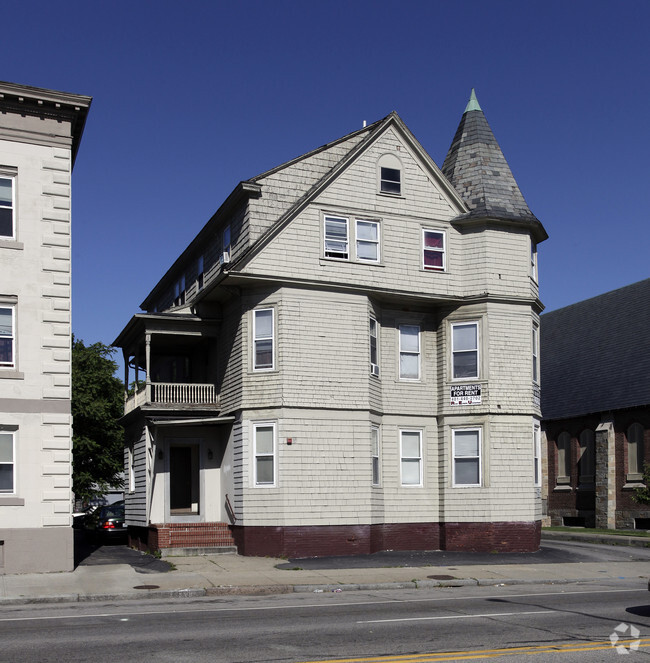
column 336, row 255
column 535, row 353
column 385, row 184
column 12, row 179
column 273, row 455
column 454, row 352
column 403, row 352
column 257, row 339
column 442, row 251
column 375, row 451
column 533, row 259
column 130, row 452
column 376, row 242
column 12, row 337
column 478, row 457
column 12, row 463
column 537, row 455
column 373, row 333
column 410, row 459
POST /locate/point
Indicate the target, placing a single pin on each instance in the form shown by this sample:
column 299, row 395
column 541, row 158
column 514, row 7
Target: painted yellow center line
column 490, row 653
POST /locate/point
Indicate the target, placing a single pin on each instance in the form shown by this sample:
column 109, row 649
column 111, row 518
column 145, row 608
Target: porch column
column 147, row 364
column 125, row 358
column 605, row 475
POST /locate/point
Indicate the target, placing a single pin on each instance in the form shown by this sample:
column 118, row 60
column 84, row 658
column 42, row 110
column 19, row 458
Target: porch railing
column 173, row 393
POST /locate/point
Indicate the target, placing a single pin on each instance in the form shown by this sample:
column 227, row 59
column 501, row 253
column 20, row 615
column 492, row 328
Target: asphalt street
column 567, row 624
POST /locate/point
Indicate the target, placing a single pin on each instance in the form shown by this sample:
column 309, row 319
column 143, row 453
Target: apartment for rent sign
column 465, row 394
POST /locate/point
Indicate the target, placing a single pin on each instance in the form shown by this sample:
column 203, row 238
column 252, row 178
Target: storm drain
column 442, row 577
column 147, row 587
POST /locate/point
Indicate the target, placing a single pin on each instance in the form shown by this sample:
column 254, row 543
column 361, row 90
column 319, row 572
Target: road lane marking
column 431, row 657
column 298, row 606
column 439, row 617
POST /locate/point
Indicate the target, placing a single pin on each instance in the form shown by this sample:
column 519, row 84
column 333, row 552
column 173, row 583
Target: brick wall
column 319, row 541
column 181, row 535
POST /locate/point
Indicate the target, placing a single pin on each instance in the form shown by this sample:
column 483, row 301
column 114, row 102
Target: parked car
column 106, row 523
column 79, row 517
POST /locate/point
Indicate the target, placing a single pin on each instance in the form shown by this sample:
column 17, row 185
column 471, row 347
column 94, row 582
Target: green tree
column 97, row 404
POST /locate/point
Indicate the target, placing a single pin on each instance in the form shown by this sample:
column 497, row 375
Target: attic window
column 391, row 180
column 389, row 175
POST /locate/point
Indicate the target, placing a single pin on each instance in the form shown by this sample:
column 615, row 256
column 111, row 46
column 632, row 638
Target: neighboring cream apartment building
column 345, row 359
column 40, row 131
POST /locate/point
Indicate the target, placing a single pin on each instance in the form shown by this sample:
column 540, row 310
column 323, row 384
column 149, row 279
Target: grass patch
column 593, row 530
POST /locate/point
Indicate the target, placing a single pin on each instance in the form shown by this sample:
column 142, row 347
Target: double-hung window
column 433, row 250
column 390, row 180
column 535, row 354
column 7, row 207
column 7, row 464
column 263, row 334
column 199, row 273
column 367, row 236
column 225, row 242
column 464, row 350
column 537, row 456
column 264, row 452
column 411, row 457
column 374, row 439
column 533, row 260
column 7, row 337
column 409, row 352
column 179, row 292
column 336, row 237
column 374, row 351
column 467, row 457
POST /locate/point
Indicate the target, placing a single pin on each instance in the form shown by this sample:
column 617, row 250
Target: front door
column 184, row 480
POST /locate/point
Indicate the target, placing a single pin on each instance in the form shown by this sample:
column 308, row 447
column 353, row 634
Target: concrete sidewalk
column 211, row 575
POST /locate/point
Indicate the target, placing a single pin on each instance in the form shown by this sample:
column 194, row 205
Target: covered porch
column 170, row 362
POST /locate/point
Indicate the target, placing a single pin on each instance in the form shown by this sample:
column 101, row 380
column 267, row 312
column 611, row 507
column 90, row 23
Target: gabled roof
column 475, row 165
column 594, row 354
column 373, row 133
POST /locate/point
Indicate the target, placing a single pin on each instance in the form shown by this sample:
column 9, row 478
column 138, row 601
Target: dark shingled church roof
column 594, row 354
column 479, row 172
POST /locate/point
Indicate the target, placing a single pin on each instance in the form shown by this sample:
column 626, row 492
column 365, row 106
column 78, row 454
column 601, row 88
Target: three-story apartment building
column 344, row 359
column 40, row 132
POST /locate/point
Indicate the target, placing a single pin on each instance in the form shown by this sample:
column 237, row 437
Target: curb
column 265, row 590
column 606, row 539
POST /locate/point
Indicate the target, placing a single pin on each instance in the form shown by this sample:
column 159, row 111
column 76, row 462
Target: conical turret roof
column 479, row 172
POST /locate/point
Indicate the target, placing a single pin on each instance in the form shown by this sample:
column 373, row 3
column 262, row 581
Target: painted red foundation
column 321, row 541
column 326, row 540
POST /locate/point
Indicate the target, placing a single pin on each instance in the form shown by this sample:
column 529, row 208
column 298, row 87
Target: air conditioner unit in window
column 374, row 369
column 225, row 257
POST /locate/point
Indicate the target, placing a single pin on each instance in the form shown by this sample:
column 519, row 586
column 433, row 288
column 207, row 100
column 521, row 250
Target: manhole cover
column 442, row 577
column 147, row 587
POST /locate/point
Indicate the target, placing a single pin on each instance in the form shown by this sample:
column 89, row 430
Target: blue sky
column 189, row 98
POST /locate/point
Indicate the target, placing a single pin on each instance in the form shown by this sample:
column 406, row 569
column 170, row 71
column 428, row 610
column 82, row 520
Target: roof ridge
column 587, row 300
column 322, row 148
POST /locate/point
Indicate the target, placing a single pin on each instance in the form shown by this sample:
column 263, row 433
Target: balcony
column 174, row 395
